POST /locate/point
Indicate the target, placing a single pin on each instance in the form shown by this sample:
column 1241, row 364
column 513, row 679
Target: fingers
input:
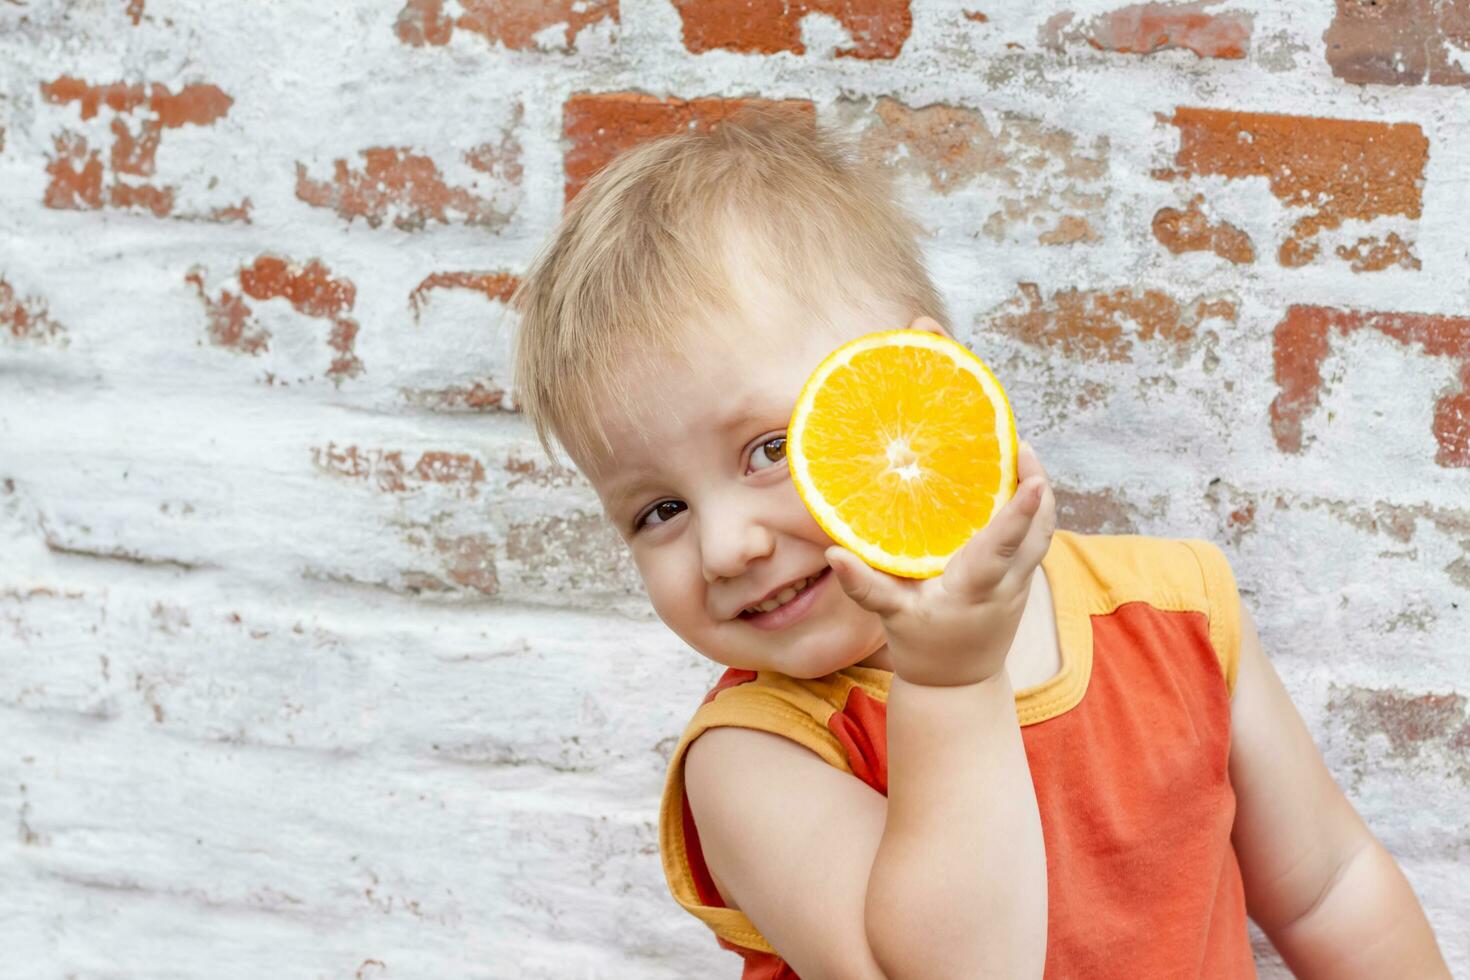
column 1014, row 541
column 1027, row 465
column 868, row 587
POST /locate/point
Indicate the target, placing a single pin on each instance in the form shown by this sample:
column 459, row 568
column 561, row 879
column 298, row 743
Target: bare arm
column 1318, row 883
column 958, row 886
column 958, row 883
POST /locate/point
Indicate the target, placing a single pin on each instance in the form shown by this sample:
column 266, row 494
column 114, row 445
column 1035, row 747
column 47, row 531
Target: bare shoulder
column 789, row 841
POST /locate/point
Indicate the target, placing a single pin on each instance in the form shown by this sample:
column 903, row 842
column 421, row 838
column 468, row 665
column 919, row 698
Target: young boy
column 1092, row 772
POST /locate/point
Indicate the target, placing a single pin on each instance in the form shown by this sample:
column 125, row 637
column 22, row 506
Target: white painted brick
column 267, row 718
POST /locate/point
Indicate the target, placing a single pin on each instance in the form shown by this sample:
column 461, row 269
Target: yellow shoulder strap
column 1224, row 607
column 1169, row 574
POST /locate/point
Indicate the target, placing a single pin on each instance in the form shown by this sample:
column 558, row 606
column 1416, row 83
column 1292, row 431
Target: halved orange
column 903, row 445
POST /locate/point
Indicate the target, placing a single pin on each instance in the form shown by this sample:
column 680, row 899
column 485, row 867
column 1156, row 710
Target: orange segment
column 902, row 445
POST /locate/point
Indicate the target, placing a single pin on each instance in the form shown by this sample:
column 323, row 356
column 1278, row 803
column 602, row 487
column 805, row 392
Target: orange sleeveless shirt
column 1128, row 747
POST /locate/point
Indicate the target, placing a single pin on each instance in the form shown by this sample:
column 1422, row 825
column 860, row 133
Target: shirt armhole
column 1224, row 606
column 740, row 710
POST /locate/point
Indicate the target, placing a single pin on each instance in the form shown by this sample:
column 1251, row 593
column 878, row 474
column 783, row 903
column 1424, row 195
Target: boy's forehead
column 709, row 401
column 725, row 369
column 685, row 401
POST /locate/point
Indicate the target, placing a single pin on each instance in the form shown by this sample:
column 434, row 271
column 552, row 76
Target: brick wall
column 313, row 666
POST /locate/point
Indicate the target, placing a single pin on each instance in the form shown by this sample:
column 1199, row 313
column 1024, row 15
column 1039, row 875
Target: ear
column 930, row 324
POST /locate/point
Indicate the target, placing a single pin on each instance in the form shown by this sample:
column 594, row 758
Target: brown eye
column 664, row 511
column 768, row 453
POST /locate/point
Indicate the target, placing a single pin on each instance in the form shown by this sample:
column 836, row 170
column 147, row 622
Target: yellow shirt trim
column 1089, row 575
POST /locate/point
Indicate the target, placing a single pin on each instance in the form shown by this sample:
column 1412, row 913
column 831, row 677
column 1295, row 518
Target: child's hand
column 957, row 628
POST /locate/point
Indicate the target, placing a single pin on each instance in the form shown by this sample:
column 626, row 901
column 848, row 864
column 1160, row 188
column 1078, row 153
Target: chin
column 813, row 666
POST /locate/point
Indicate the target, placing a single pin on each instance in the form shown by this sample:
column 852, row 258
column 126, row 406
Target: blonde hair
column 646, row 246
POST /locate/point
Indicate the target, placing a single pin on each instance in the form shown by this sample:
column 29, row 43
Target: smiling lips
column 782, row 596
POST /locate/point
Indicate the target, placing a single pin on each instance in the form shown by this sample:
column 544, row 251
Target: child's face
column 698, row 486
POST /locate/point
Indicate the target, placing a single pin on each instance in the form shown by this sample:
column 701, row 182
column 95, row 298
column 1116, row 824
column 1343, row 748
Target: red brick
column 1144, row 28
column 513, row 23
column 878, row 28
column 497, row 286
column 197, row 105
column 1336, row 170
column 470, row 561
column 384, row 468
column 486, row 394
column 396, row 183
column 1041, row 180
column 230, row 324
column 388, row 471
column 1301, row 345
column 540, row 472
column 78, row 178
column 477, row 396
column 1244, row 516
column 449, row 468
column 950, row 145
column 1094, row 511
column 159, row 200
column 310, row 289
column 600, row 126
column 76, row 175
column 1190, row 231
column 1406, row 42
column 135, row 155
column 1104, row 325
column 1411, row 722
column 1369, row 254
column 231, row 212
column 27, row 319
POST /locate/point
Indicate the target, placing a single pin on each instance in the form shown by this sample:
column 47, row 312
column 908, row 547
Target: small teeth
column 782, row 597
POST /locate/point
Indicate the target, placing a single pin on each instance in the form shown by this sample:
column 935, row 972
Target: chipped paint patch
column 597, row 127
column 520, row 25
column 1415, row 725
column 1331, row 170
column 1104, row 325
column 387, row 470
column 395, row 184
column 310, row 289
column 1144, row 28
column 1300, row 345
column 497, row 286
column 137, row 117
column 27, row 319
column 1406, row 42
column 877, row 28
column 1044, row 180
column 1190, row 230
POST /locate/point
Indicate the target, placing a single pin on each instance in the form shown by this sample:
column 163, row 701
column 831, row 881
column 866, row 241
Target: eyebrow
column 740, row 413
column 622, row 491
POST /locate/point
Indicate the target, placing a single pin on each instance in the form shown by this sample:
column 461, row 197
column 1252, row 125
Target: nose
column 732, row 534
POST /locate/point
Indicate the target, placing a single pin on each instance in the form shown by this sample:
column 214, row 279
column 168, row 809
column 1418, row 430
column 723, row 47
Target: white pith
column 784, row 596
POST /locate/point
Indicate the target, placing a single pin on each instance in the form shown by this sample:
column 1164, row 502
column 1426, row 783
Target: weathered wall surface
column 311, row 665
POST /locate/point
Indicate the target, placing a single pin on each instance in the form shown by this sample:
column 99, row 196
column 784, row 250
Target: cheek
column 805, row 524
column 671, row 592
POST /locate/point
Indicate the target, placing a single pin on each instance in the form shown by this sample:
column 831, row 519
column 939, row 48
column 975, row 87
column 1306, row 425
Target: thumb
column 863, row 584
